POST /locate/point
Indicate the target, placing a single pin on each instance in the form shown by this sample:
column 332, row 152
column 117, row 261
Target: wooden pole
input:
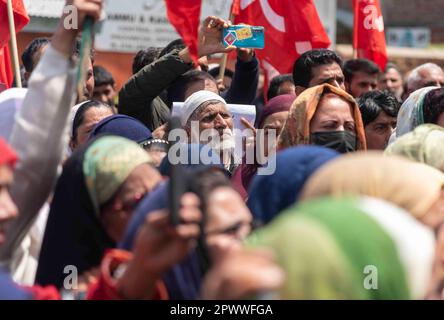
column 15, row 59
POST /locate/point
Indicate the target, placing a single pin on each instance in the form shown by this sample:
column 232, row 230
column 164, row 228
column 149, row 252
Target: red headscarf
column 7, row 154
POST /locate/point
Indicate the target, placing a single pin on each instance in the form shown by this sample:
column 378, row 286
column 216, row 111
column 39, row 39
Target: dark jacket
column 139, row 97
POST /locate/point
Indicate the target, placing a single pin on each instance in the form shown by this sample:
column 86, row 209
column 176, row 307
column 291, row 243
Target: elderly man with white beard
column 207, row 120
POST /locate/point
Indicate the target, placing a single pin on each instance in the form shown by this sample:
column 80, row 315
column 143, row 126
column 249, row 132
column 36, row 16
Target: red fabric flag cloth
column 6, row 75
column 292, row 27
column 21, row 19
column 184, row 15
column 368, row 33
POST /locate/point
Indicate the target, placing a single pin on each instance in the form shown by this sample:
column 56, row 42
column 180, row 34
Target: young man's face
column 8, row 210
column 378, row 132
column 328, row 73
column 105, row 93
column 361, row 83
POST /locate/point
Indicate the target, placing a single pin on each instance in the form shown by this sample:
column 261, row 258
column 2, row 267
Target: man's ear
column 298, row 90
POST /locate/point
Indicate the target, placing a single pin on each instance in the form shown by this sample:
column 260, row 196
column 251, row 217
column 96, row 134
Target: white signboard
column 137, row 24
column 408, row 37
column 237, row 111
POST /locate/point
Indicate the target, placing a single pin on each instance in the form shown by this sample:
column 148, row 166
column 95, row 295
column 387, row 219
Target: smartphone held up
column 243, row 36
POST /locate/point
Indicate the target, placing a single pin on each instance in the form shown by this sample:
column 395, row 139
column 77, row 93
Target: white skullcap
column 10, row 102
column 195, row 101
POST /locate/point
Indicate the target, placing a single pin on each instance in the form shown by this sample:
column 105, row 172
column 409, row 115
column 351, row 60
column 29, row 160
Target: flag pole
column 14, row 50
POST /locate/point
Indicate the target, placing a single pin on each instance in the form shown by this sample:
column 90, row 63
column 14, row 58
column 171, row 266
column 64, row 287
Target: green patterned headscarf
column 329, row 247
column 107, row 164
column 424, row 144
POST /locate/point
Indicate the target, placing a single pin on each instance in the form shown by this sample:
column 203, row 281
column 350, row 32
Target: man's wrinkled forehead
column 326, row 71
column 429, row 75
column 213, row 107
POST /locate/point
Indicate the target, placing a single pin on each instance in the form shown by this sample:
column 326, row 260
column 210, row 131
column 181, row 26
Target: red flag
column 291, row 28
column 20, row 20
column 184, row 15
column 6, row 75
column 368, row 34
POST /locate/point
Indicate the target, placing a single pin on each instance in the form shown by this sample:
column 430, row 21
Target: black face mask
column 341, row 141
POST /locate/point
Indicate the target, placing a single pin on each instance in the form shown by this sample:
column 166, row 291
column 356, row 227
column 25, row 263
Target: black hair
column 433, row 105
column 80, row 114
column 175, row 44
column 359, row 65
column 276, row 82
column 145, row 57
column 176, row 91
column 373, row 102
column 215, row 72
column 102, row 77
column 391, row 65
column 302, row 69
column 31, row 51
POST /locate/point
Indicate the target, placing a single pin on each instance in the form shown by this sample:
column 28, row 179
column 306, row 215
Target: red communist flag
column 291, row 28
column 6, row 75
column 184, row 15
column 20, row 20
column 368, row 34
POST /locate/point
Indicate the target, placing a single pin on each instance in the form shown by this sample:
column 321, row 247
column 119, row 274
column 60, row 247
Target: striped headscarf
column 107, row 164
column 411, row 114
column 350, row 248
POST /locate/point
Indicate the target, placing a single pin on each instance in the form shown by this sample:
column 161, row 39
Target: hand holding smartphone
column 243, row 36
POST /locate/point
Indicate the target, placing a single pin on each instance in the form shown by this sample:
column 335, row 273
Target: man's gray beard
column 224, row 147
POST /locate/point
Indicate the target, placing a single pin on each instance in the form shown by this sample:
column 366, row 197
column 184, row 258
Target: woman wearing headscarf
column 415, row 187
column 226, row 223
column 122, row 126
column 84, row 117
column 424, row 144
column 272, row 117
column 327, row 116
column 131, row 128
column 350, row 248
column 156, row 241
column 411, row 113
column 94, row 198
column 270, row 194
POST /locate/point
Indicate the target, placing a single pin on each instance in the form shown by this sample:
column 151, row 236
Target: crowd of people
column 354, row 208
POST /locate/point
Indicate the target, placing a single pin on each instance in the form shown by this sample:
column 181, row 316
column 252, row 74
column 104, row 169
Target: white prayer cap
column 195, row 101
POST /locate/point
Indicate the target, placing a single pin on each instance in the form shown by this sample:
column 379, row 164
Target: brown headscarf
column 297, row 128
column 413, row 186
